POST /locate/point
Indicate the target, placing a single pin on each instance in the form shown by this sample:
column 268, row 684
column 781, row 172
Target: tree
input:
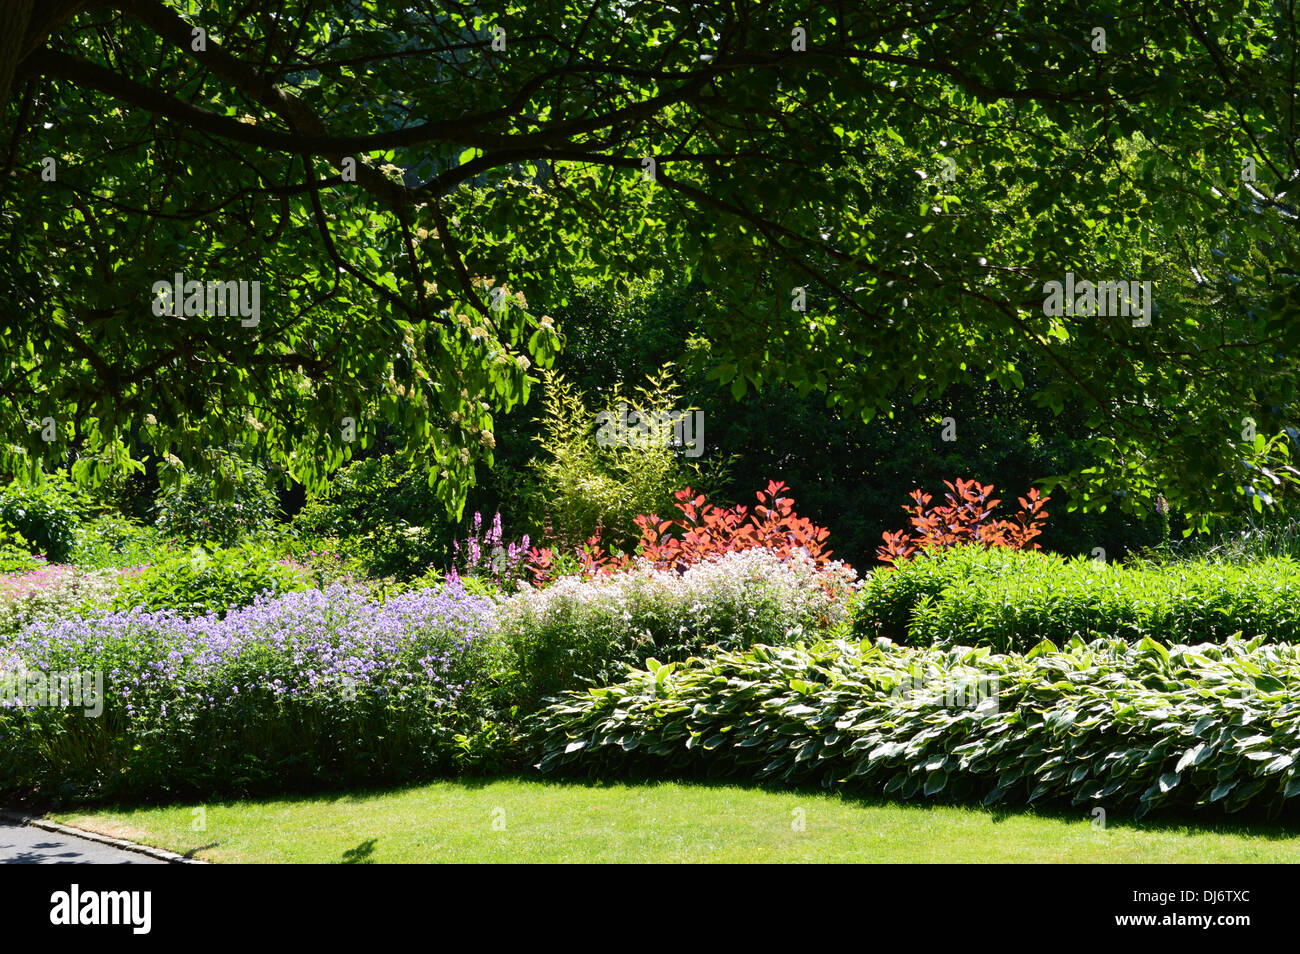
column 875, row 196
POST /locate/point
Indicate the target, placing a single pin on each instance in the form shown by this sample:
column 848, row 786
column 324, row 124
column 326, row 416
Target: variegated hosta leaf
column 1124, row 725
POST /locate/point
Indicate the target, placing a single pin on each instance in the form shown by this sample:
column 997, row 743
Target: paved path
column 25, row 845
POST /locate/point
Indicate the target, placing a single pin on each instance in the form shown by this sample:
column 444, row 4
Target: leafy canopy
column 415, row 186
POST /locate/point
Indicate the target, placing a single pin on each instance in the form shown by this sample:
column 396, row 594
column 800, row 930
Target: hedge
column 1011, row 601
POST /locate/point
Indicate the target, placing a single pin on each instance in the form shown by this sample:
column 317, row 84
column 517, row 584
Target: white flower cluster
column 745, row 597
column 59, row 593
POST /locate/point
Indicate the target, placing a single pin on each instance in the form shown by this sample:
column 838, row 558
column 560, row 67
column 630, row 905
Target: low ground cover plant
column 1010, row 601
column 1129, row 726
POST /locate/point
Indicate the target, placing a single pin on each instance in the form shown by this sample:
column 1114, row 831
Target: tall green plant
column 583, row 483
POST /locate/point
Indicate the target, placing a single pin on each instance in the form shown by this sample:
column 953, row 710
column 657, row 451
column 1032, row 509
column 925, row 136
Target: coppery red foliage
column 704, row 531
column 965, row 519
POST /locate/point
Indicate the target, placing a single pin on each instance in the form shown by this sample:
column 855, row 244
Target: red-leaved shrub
column 701, row 532
column 544, row 563
column 705, row 531
column 965, row 519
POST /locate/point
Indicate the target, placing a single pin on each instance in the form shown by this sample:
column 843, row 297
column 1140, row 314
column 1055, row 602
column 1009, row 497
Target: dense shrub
column 15, row 554
column 401, row 551
column 199, row 510
column 384, row 513
column 111, row 540
column 590, row 630
column 310, row 688
column 46, row 516
column 199, row 582
column 1123, row 726
column 701, row 532
column 1011, row 601
column 371, row 492
column 604, row 465
column 888, row 598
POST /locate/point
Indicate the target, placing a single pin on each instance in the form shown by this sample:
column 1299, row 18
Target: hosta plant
column 1126, row 726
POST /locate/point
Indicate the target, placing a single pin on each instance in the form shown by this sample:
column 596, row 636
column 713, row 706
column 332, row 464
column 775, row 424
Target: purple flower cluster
column 336, row 643
column 487, row 555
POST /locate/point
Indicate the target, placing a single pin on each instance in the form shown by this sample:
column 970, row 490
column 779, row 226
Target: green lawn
column 517, row 820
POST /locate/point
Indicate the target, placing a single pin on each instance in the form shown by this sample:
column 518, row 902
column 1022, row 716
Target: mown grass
column 524, row 820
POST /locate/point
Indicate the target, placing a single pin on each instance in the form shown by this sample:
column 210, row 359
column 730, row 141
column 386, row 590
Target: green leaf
column 1278, row 764
column 935, row 782
column 1222, row 789
column 1189, row 756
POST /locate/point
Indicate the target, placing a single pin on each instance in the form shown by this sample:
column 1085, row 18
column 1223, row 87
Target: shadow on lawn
column 362, row 854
